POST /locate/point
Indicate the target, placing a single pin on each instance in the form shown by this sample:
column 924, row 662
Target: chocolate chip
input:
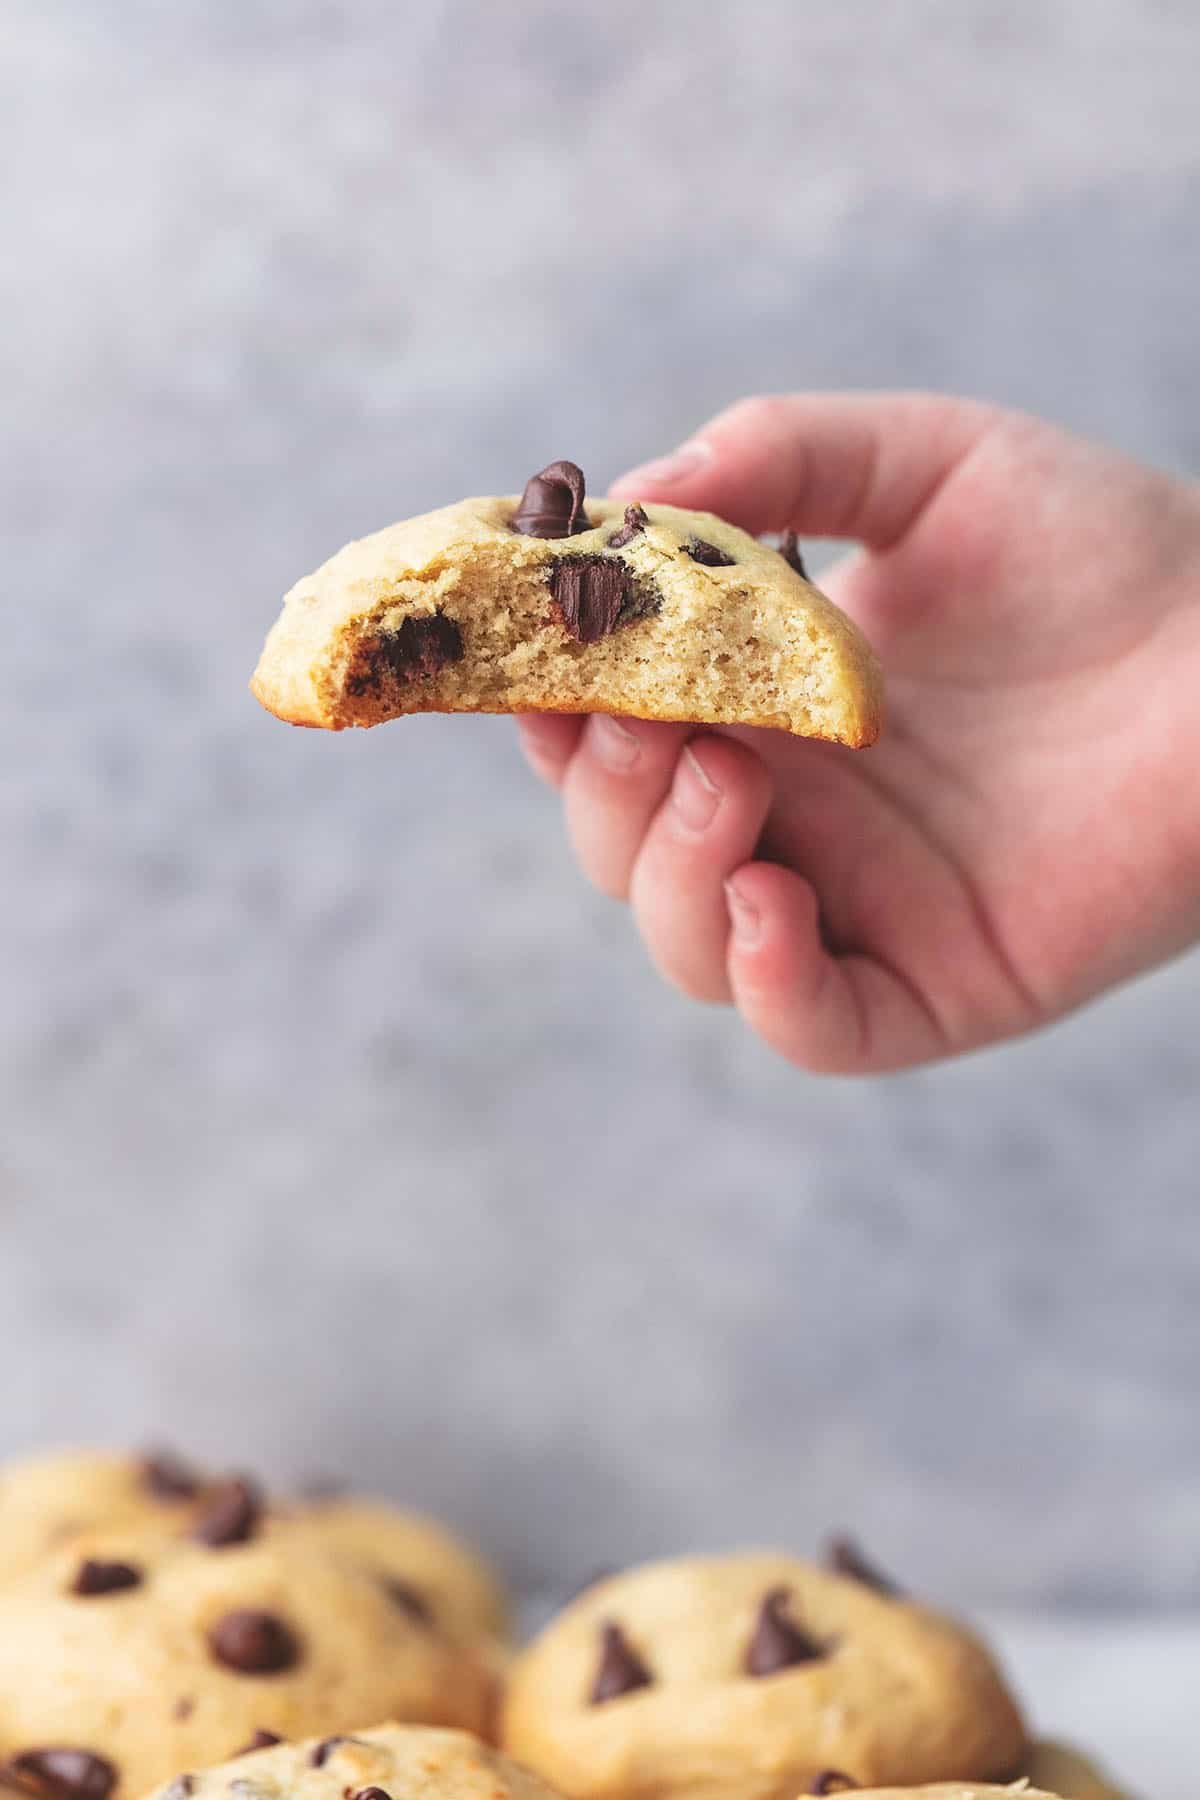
column 552, row 504
column 702, row 552
column 635, row 523
column 789, row 549
column 368, row 1793
column 777, row 1641
column 182, row 1788
column 597, row 594
column 95, row 1577
column 262, row 1740
column 844, row 1557
column 620, row 1670
column 418, row 648
column 408, row 1599
column 230, row 1515
column 254, row 1643
column 169, row 1478
column 60, row 1772
column 320, row 1753
column 184, row 1707
column 832, row 1781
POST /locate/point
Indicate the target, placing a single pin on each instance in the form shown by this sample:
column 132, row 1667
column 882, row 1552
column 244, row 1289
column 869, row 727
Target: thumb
column 841, row 465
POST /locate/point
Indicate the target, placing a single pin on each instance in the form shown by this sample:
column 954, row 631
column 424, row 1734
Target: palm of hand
column 1002, row 852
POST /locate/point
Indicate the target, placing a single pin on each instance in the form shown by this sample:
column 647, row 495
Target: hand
column 1027, row 831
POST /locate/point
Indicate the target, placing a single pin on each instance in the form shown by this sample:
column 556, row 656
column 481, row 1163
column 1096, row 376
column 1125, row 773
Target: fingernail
column 688, row 460
column 694, row 795
column 615, row 745
column 744, row 918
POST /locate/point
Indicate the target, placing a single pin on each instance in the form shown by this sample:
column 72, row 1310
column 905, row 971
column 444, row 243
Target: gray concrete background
column 340, row 1127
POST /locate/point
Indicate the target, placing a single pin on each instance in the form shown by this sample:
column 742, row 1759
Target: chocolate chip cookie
column 748, row 1676
column 47, row 1500
column 125, row 1658
column 422, row 1565
column 559, row 603
column 389, row 1762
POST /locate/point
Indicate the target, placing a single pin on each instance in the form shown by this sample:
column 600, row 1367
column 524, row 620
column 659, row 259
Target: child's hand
column 1026, row 833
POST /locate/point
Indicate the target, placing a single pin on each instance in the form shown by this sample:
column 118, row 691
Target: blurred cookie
column 47, row 1498
column 126, row 1659
column 423, row 1566
column 1068, row 1772
column 551, row 604
column 389, row 1762
column 744, row 1677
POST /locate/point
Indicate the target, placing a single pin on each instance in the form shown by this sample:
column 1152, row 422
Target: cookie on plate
column 388, row 1762
column 551, row 603
column 55, row 1495
column 1068, row 1772
column 125, row 1658
column 746, row 1676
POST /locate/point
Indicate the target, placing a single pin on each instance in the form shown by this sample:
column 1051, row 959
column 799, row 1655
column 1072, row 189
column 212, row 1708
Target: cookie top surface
column 52, row 1496
column 405, row 1762
column 156, row 1656
column 748, row 1675
column 685, row 616
column 51, row 1499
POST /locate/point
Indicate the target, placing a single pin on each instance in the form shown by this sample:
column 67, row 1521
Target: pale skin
column 1026, row 833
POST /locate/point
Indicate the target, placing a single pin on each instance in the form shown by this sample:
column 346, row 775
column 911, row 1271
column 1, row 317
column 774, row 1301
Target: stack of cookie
column 161, row 1628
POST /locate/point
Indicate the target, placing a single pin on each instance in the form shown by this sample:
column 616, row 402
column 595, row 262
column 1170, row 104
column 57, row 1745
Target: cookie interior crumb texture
column 685, row 618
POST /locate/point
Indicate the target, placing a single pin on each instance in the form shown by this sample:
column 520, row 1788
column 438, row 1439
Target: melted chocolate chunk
column 230, row 1515
column 635, row 523
column 262, row 1740
column 254, row 1643
column 95, row 1577
column 169, row 1478
column 590, row 591
column 703, row 552
column 182, row 1788
column 418, row 648
column 552, row 504
column 832, row 1781
column 778, row 1642
column 409, row 1599
column 789, row 549
column 844, row 1557
column 620, row 1669
column 60, row 1772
